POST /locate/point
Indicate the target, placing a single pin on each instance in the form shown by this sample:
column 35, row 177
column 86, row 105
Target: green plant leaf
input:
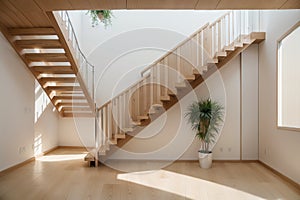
column 205, row 117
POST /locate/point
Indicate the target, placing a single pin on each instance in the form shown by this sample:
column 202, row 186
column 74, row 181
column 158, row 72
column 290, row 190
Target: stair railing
column 86, row 69
column 119, row 115
column 211, row 39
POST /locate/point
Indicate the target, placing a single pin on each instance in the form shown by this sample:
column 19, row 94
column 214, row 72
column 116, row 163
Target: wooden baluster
column 178, row 66
column 150, row 92
column 198, row 51
column 137, row 100
column 210, row 41
column 133, row 104
column 240, row 25
column 232, row 27
column 126, row 110
column 121, row 111
column 103, row 127
column 172, row 72
column 117, row 110
column 166, row 77
column 158, row 85
column 188, row 58
column 228, row 30
column 243, row 22
column 109, row 122
column 215, row 41
column 112, row 118
column 152, row 86
column 141, row 100
column 100, row 127
column 130, row 105
column 145, row 96
column 185, row 59
column 223, row 33
column 203, row 52
column 194, row 53
column 105, row 124
column 219, row 36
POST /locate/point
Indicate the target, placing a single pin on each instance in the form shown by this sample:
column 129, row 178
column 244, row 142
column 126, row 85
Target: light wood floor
column 64, row 175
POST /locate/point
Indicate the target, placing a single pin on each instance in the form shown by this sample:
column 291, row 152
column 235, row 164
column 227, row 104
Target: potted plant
column 205, row 117
column 103, row 16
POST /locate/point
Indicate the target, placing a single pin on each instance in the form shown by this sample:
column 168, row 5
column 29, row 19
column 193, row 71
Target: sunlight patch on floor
column 58, row 158
column 186, row 186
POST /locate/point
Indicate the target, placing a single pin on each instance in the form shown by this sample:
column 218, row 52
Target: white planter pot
column 205, row 159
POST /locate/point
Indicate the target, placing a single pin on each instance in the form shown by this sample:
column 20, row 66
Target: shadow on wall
column 41, row 102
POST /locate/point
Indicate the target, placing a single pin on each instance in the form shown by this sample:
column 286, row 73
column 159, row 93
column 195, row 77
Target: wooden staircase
column 53, row 56
column 172, row 77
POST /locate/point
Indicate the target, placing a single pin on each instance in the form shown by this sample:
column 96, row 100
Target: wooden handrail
column 219, row 19
column 130, row 87
column 173, row 49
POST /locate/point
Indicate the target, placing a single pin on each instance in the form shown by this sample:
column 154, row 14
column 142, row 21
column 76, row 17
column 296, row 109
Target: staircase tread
column 229, row 48
column 39, row 43
column 127, row 130
column 136, row 123
column 172, row 94
column 58, row 79
column 142, row 117
column 32, row 31
column 221, row 54
column 113, row 141
column 120, row 136
column 196, row 71
column 212, row 61
column 157, row 105
column 46, row 57
column 165, row 98
column 238, row 44
column 190, row 78
column 180, row 85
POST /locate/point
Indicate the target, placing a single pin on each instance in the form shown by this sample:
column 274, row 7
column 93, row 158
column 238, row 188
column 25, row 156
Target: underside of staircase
column 49, row 55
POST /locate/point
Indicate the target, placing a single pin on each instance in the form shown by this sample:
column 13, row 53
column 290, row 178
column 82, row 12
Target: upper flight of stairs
column 53, row 56
column 172, row 77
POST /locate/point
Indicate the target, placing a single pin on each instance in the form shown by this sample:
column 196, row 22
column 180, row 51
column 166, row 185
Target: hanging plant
column 101, row 16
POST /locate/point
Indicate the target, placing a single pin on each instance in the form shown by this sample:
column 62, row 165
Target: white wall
column 249, row 73
column 17, row 108
column 76, row 132
column 277, row 148
column 46, row 130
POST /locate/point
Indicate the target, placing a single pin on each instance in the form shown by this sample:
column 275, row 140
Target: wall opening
column 288, row 70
